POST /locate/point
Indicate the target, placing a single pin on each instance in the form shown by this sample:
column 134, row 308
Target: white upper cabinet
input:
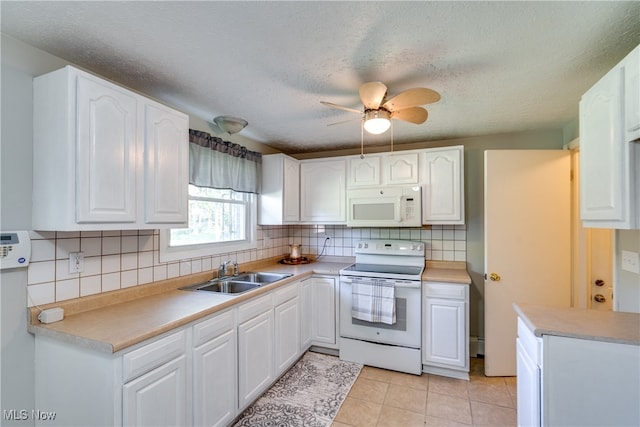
column 104, row 157
column 106, row 148
column 280, row 197
column 443, row 185
column 166, row 165
column 386, row 169
column 400, row 168
column 364, row 171
column 609, row 148
column 323, row 191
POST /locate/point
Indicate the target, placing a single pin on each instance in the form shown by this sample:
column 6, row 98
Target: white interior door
column 527, row 243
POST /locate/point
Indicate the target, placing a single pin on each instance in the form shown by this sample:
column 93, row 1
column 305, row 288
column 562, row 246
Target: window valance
column 215, row 163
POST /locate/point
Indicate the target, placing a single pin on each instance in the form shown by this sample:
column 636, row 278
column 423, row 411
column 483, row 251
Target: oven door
column 405, row 332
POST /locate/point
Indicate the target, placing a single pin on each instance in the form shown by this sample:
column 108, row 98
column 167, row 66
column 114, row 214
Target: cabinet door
column 215, row 381
column 287, row 334
column 528, row 374
column 443, row 191
column 158, row 398
column 255, row 357
column 602, row 165
column 631, row 65
column 106, row 146
column 364, row 171
column 322, row 191
column 306, row 304
column 323, row 325
column 291, row 192
column 400, row 168
column 445, row 332
column 166, row 165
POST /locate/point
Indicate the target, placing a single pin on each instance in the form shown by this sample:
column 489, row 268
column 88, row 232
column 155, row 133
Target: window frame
column 184, row 252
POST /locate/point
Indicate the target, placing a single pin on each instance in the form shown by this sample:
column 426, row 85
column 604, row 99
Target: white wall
column 19, row 64
column 627, row 284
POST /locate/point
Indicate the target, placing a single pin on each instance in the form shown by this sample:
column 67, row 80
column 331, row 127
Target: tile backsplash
column 121, row 259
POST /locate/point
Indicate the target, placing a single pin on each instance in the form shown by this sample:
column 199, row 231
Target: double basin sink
column 238, row 284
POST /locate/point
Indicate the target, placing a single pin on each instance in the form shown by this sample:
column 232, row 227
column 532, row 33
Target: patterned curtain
column 215, row 163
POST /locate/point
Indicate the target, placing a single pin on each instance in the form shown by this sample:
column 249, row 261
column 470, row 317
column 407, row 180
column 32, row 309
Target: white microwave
column 384, row 207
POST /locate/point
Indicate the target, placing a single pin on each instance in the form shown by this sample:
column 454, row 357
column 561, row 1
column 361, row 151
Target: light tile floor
column 388, row 398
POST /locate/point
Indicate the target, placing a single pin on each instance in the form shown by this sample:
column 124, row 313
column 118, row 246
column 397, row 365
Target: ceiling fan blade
column 412, row 98
column 372, row 94
column 415, row 115
column 342, row 122
column 340, row 107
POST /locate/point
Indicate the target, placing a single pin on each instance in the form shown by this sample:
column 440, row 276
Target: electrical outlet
column 76, row 262
column 631, row 261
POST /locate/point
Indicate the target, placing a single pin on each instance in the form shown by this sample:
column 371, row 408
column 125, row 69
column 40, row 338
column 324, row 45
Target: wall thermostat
column 15, row 249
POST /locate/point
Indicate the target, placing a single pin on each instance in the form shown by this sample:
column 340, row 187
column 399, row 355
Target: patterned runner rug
column 309, row 394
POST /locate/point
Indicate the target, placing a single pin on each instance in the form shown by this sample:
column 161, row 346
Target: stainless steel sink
column 229, row 287
column 234, row 285
column 261, row 277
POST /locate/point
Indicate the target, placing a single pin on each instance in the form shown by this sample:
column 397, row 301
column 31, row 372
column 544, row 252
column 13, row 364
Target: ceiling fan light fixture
column 230, row 124
column 377, row 121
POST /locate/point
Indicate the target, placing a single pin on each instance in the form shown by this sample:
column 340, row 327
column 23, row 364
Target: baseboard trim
column 476, row 346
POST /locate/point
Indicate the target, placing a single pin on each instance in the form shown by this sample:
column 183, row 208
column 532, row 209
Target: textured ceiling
column 499, row 66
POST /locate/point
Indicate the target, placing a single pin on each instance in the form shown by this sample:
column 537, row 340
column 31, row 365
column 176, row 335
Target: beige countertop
column 446, row 271
column 117, row 320
column 609, row 326
column 114, row 321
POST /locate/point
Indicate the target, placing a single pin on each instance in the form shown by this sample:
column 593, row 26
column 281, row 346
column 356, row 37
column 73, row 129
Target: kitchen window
column 220, row 221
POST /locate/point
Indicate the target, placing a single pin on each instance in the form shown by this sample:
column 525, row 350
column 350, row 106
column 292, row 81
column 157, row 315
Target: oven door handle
column 397, row 283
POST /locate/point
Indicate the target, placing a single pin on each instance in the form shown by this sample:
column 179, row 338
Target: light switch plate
column 631, row 261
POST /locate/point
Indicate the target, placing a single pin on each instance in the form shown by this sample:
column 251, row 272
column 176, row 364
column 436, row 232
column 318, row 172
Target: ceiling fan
column 378, row 110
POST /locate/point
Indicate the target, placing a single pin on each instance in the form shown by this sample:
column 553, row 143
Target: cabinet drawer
column 446, row 290
column 212, row 328
column 254, row 307
column 153, row 355
column 285, row 294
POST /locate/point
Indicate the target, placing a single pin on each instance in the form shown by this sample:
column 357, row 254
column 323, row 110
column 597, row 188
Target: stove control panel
column 390, row 247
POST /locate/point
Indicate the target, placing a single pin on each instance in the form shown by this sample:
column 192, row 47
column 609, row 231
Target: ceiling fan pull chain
column 362, row 140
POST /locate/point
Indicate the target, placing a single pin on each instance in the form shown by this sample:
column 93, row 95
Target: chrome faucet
column 235, row 268
column 222, row 270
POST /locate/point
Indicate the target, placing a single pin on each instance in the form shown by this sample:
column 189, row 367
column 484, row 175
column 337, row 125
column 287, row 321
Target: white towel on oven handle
column 373, row 301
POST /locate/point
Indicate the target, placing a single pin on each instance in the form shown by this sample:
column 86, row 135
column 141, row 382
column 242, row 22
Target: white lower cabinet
column 202, row 374
column 306, row 304
column 324, row 300
column 529, row 376
column 566, row 381
column 255, row 349
column 215, row 379
column 158, row 398
column 287, row 328
column 445, row 341
column 147, row 386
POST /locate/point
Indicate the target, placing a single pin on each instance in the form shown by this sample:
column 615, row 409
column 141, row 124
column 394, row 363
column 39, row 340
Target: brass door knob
column 495, row 277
